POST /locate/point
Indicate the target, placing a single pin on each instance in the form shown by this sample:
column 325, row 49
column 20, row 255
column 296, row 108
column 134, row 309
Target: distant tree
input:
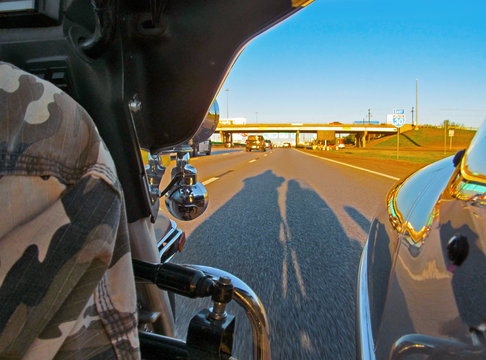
column 349, row 139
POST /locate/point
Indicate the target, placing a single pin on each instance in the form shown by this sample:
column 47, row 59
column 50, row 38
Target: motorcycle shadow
column 284, row 241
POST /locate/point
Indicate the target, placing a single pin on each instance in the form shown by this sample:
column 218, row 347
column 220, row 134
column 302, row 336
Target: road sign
column 398, row 120
column 398, row 111
column 451, row 133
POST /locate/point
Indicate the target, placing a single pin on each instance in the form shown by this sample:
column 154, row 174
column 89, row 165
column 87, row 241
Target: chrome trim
column 473, row 164
column 154, row 171
column 170, row 237
column 249, row 301
column 209, row 124
column 365, row 334
column 186, row 198
column 143, row 247
column 433, row 347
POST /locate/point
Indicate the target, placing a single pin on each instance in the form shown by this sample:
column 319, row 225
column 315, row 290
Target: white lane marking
column 351, row 166
column 297, row 273
column 283, row 239
column 265, row 155
column 210, row 180
column 252, row 160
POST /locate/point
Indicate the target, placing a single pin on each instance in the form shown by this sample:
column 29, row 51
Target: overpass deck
column 307, row 128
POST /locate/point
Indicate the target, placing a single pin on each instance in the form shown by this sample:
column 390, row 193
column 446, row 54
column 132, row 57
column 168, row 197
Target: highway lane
column 292, row 226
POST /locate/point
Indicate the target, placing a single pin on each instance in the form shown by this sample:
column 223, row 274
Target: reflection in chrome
column 473, row 165
column 434, row 348
column 467, row 190
column 209, row 124
column 249, row 301
column 365, row 335
column 186, row 198
column 155, row 171
column 470, row 183
column 413, row 239
column 395, row 216
column 413, row 205
column 170, row 242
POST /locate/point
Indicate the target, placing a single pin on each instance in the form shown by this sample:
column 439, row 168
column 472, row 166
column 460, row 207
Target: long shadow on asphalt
column 290, row 247
column 359, row 218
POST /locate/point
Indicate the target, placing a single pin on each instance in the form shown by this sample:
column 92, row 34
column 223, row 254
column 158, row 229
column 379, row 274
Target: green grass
column 423, row 146
column 423, row 157
column 430, row 138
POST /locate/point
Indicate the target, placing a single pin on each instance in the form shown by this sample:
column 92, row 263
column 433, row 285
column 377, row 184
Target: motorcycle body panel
column 413, row 279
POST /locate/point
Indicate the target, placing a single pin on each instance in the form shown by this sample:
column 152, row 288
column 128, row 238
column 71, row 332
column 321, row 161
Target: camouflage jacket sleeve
column 66, row 281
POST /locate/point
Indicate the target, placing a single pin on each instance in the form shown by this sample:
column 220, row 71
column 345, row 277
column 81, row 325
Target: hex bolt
column 224, row 280
column 218, row 311
column 221, row 297
column 134, row 105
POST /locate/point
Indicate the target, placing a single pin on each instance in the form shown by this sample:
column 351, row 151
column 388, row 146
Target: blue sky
column 337, row 58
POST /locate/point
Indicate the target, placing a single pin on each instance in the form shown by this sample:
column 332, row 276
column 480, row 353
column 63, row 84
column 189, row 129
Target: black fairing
column 177, row 67
column 173, row 65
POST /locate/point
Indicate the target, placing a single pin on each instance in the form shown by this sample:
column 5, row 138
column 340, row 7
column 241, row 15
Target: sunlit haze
column 336, row 59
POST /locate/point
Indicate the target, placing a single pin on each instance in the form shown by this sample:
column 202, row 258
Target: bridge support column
column 226, row 137
column 297, row 135
column 365, row 134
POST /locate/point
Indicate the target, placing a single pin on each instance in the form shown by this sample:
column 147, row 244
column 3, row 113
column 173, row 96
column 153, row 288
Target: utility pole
column 413, row 124
column 446, row 127
column 416, row 102
column 369, row 116
column 227, row 103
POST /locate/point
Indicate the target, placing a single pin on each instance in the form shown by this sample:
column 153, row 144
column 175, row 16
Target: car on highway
column 421, row 289
column 255, row 142
column 268, row 144
column 287, row 145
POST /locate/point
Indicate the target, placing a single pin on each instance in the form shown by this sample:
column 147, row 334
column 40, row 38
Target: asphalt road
column 292, row 226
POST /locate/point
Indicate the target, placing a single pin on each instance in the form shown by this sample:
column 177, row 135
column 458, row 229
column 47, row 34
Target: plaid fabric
column 66, row 280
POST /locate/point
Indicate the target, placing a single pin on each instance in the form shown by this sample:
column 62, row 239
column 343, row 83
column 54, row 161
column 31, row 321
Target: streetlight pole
column 227, row 103
column 416, row 102
column 413, row 124
column 369, row 116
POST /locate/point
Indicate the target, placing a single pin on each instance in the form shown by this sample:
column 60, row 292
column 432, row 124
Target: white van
column 203, row 147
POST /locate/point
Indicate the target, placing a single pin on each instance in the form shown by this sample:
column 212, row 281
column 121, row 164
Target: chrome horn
column 186, row 198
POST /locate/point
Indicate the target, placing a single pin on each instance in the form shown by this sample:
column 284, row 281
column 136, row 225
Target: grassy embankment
column 425, row 145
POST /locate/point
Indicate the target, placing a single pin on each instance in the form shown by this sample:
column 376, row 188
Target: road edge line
column 351, row 166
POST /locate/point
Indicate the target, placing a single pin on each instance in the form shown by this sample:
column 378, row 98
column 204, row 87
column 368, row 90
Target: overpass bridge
column 363, row 132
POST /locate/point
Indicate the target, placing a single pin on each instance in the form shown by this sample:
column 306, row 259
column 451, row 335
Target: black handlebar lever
column 178, row 279
column 211, row 331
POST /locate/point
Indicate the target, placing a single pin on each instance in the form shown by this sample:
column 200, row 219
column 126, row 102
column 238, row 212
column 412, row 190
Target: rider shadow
column 241, row 237
column 327, row 261
column 286, row 243
column 359, row 218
